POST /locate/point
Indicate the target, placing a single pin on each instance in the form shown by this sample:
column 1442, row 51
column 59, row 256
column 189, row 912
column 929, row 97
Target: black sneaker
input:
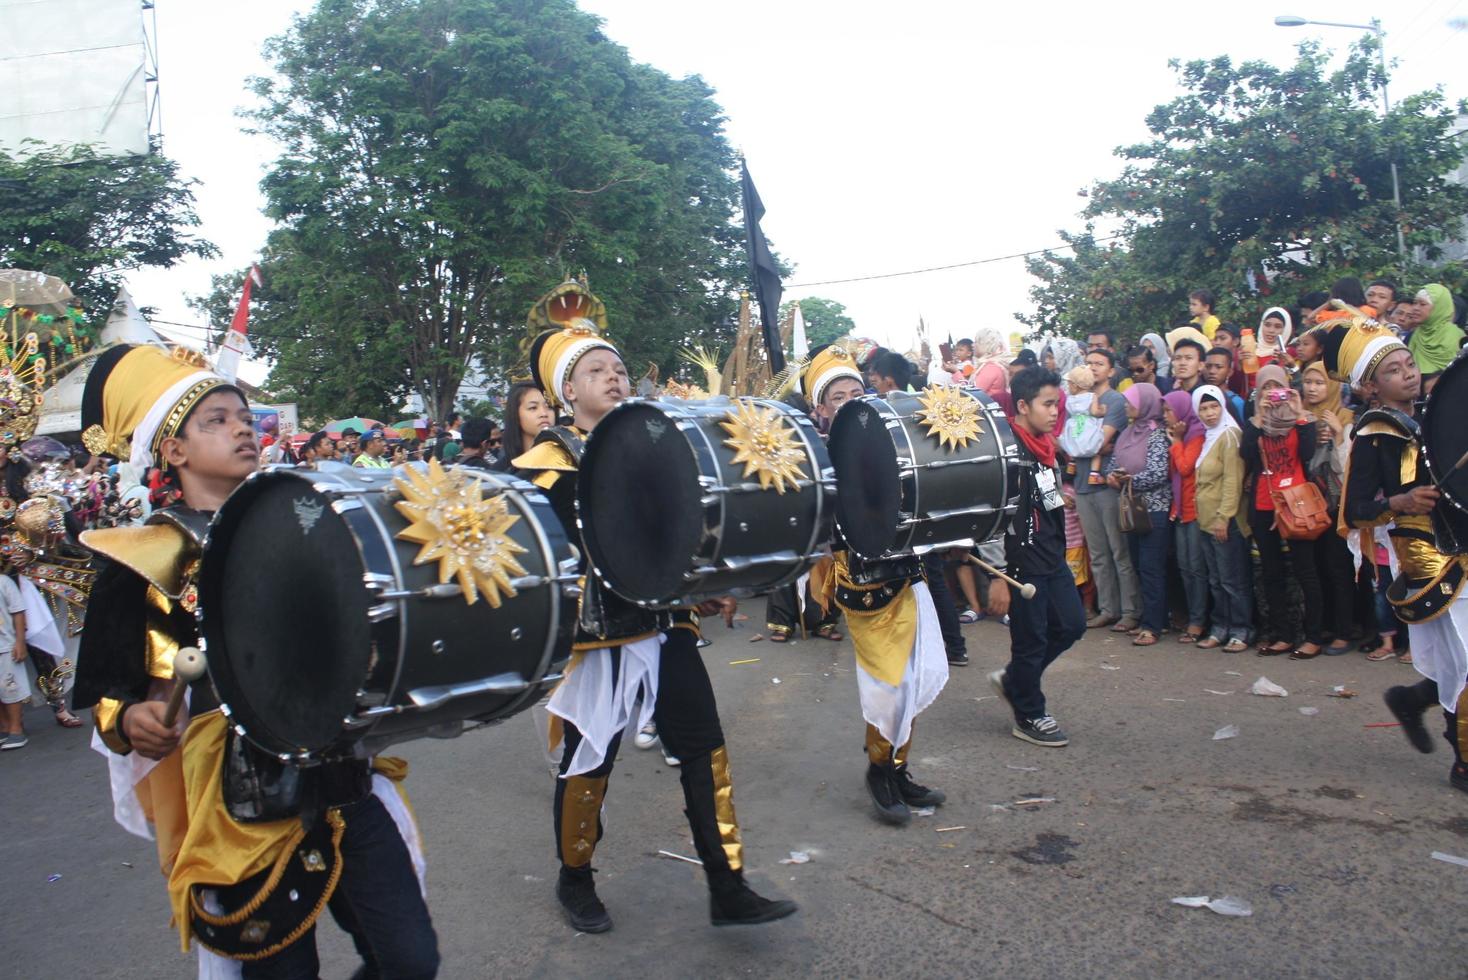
column 577, row 894
column 959, row 659
column 915, row 794
column 890, row 806
column 1408, row 709
column 1044, row 730
column 733, row 903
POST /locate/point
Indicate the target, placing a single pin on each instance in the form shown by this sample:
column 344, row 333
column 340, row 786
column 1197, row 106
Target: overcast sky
column 883, row 137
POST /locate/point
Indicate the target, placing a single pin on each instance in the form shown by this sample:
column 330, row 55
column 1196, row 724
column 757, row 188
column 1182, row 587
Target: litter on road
column 1034, row 801
column 1309, row 711
column 1266, row 688
column 679, row 857
column 797, row 857
column 1341, row 691
column 1212, row 691
column 1225, row 905
column 1450, row 859
column 1022, row 768
column 944, row 830
column 1110, row 667
column 737, row 663
column 1227, row 731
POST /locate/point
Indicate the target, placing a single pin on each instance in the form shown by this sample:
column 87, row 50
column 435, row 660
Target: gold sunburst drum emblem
column 765, row 444
column 951, row 416
column 458, row 528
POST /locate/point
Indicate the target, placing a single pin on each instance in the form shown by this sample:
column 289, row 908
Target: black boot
column 915, row 794
column 733, row 903
column 1408, row 705
column 886, row 796
column 577, row 894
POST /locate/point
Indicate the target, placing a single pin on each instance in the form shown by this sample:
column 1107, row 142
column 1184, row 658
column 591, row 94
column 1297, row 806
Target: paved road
column 1323, row 825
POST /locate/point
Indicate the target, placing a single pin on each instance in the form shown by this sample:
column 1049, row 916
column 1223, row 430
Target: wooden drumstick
column 1026, row 589
column 188, row 666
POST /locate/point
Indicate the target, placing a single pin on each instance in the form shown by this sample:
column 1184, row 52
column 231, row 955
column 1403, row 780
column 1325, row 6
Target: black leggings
column 1303, row 564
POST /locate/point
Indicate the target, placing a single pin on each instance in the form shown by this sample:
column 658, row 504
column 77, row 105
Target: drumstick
column 1462, row 462
column 1026, row 589
column 188, row 666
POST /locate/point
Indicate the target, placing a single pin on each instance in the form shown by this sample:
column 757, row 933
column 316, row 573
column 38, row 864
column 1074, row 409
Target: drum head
column 869, row 491
column 285, row 614
column 1444, row 433
column 638, row 503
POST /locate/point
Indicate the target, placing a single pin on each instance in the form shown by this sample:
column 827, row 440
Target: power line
column 955, row 265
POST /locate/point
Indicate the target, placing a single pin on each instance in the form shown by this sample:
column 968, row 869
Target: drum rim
column 1458, row 363
column 312, row 479
column 525, row 496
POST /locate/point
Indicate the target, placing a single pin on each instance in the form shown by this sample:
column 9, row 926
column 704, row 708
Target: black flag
column 762, row 270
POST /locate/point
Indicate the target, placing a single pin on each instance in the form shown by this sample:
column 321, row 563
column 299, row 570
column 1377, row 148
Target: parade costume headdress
column 1354, row 347
column 827, row 365
column 137, row 396
column 571, row 321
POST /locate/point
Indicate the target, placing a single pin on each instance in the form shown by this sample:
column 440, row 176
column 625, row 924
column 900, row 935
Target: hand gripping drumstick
column 188, row 666
column 1026, row 589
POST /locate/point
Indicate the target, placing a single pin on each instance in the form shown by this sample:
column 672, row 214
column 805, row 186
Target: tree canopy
column 445, row 162
column 1258, row 181
column 825, row 319
column 89, row 220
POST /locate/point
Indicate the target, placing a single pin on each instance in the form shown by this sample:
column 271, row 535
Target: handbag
column 1134, row 517
column 1300, row 511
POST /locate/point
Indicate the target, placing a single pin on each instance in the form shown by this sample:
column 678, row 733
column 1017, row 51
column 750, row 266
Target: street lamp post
column 1289, row 20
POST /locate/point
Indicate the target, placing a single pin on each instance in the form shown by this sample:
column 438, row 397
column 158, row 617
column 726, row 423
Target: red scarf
column 1041, row 447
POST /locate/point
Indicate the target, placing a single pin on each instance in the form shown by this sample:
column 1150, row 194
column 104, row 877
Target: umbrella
column 419, row 427
column 356, row 422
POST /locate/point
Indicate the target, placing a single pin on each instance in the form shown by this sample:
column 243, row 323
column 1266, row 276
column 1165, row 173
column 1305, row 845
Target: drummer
column 1386, row 483
column 274, row 845
column 900, row 657
column 622, row 651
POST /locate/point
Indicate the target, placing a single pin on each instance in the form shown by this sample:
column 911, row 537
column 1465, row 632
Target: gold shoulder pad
column 164, row 554
column 546, row 456
column 1381, row 427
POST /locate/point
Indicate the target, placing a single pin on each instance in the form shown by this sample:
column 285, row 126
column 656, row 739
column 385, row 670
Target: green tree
column 444, row 162
column 1260, row 184
column 89, row 220
column 825, row 319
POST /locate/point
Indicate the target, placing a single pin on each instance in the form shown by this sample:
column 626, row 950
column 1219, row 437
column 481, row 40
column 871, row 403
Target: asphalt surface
column 1323, row 825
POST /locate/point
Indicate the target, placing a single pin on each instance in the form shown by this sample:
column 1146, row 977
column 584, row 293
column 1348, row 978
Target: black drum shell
column 1443, row 436
column 659, row 523
column 888, row 469
column 308, row 659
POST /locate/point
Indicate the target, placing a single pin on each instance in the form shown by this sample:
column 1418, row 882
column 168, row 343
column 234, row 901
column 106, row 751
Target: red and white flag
column 236, row 338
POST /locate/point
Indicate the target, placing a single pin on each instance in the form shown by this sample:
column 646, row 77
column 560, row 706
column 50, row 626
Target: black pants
column 782, row 613
column 943, row 604
column 377, row 901
column 1040, row 630
column 1337, row 572
column 686, row 714
column 1303, row 565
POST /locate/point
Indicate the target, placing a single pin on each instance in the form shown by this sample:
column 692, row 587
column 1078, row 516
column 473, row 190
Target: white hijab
column 1284, row 337
column 1159, row 350
column 1211, row 434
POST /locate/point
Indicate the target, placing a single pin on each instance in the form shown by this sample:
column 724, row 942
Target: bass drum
column 680, row 501
column 919, row 472
column 325, row 639
column 1444, row 439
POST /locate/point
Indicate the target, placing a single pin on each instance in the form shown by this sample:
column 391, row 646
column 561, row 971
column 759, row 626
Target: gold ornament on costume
column 766, row 444
column 463, row 532
column 951, row 417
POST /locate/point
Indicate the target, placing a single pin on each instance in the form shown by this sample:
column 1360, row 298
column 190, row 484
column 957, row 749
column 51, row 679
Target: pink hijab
column 1131, row 446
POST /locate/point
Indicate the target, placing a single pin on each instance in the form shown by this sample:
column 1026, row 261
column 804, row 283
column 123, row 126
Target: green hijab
column 1434, row 343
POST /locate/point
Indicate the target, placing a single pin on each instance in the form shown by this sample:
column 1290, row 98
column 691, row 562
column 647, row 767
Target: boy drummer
column 621, row 649
column 252, row 848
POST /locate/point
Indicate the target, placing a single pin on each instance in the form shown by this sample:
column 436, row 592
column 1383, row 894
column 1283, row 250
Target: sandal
column 779, row 637
column 1381, row 655
column 1188, row 636
column 1235, row 646
column 1145, row 638
column 1207, row 643
column 1405, row 658
column 66, row 719
column 829, row 634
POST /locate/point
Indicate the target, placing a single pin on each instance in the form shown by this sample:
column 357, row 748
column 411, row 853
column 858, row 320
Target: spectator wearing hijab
column 1158, row 346
column 1278, row 445
column 1321, row 398
column 1435, row 341
column 1141, row 458
column 1185, row 443
column 1218, row 498
column 991, row 361
column 1272, row 342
